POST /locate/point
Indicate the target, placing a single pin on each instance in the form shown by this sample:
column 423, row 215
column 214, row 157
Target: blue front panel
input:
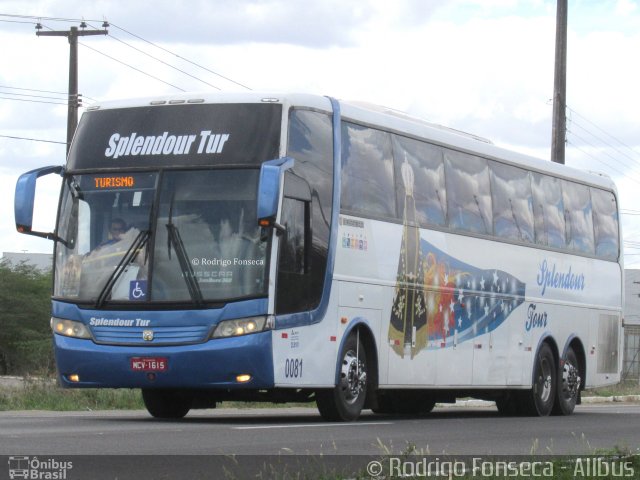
column 179, row 337
column 214, row 364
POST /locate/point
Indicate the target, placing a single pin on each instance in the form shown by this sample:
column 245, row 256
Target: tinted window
column 367, row 172
column 577, row 205
column 605, row 223
column 512, row 203
column 292, row 252
column 304, row 248
column 468, row 193
column 548, row 210
column 423, row 167
column 207, row 229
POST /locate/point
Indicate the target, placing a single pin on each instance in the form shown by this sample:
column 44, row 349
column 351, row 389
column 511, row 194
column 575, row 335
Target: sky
column 482, row 66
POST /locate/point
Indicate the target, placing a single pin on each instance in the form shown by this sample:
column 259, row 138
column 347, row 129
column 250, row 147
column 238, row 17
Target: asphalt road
column 300, row 431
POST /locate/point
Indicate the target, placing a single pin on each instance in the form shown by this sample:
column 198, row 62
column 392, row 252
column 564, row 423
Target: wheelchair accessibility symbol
column 137, row 290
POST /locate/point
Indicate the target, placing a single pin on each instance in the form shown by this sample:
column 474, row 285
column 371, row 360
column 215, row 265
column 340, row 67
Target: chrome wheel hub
column 570, row 380
column 353, row 377
column 544, row 382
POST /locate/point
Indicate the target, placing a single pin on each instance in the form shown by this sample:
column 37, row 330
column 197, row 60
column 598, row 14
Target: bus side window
column 468, row 193
column 548, row 210
column 294, row 247
column 427, row 165
column 367, row 172
column 605, row 224
column 512, row 203
column 294, row 261
column 577, row 206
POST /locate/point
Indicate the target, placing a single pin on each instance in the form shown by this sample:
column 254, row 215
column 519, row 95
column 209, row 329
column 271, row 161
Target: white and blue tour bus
column 286, row 248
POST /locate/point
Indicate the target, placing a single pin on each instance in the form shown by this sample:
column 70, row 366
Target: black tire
column 167, row 403
column 508, row 404
column 344, row 402
column 415, row 405
column 569, row 381
column 540, row 399
column 384, row 404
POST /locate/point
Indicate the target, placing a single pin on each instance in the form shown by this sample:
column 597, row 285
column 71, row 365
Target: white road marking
column 312, row 425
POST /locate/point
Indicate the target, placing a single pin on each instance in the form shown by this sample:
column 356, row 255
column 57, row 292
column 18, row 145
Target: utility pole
column 559, row 127
column 74, row 101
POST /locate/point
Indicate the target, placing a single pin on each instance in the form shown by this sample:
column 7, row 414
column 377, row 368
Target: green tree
column 25, row 311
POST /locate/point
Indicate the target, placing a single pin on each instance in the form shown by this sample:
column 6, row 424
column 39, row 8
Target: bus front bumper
column 220, row 363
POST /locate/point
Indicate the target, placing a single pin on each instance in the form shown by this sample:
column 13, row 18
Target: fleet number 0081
column 293, row 368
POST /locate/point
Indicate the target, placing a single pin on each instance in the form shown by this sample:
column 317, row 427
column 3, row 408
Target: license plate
column 149, row 364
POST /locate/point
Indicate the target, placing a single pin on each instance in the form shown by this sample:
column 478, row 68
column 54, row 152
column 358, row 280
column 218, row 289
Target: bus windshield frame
column 180, row 183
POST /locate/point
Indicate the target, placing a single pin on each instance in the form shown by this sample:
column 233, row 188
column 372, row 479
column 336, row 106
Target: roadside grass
column 44, row 394
column 629, row 387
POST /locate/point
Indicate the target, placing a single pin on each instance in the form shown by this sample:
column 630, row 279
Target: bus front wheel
column 167, row 403
column 344, row 402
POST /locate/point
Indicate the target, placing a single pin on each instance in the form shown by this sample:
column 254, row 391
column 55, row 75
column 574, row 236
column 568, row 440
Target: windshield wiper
column 175, row 239
column 128, row 257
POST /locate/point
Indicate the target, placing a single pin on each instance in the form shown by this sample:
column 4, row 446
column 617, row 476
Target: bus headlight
column 241, row 326
column 69, row 328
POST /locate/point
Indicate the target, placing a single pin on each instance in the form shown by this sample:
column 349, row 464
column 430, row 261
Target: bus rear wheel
column 569, row 380
column 344, row 402
column 540, row 399
column 167, row 403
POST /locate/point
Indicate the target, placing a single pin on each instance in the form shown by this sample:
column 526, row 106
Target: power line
column 607, row 147
column 29, row 95
column 604, row 131
column 16, row 21
column 52, row 19
column 32, row 101
column 611, row 167
column 32, row 139
column 604, row 142
column 73, row 20
column 33, row 90
column 163, row 62
column 577, row 147
column 126, row 64
column 180, row 57
column 132, row 67
column 65, row 94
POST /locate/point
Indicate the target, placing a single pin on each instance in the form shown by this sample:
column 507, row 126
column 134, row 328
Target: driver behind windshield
column 100, row 263
column 116, row 231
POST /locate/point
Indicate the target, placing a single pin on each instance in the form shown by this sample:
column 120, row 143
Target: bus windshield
column 187, row 236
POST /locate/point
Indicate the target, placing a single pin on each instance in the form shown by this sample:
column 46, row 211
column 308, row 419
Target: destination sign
column 175, row 136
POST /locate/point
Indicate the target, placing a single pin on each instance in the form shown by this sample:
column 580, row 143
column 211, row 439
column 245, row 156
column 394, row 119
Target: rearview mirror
column 269, row 186
column 24, row 200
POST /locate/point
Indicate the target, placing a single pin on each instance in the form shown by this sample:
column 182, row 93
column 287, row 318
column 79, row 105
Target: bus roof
column 376, row 116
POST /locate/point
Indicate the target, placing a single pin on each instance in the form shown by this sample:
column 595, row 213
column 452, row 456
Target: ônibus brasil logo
column 38, row 468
